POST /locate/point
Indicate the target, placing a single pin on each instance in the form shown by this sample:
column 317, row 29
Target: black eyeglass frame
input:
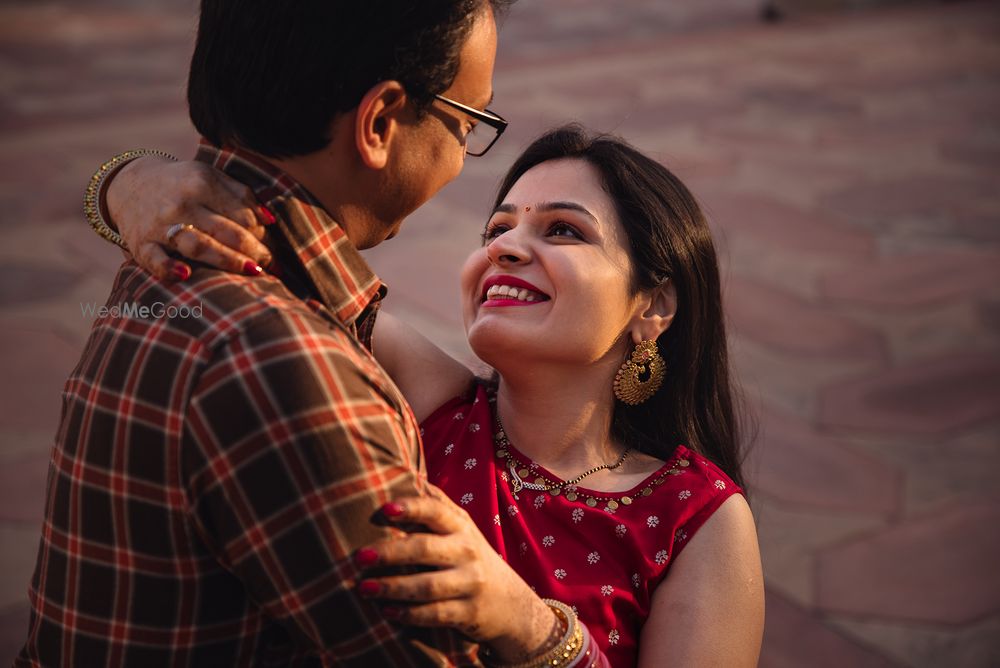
column 488, row 117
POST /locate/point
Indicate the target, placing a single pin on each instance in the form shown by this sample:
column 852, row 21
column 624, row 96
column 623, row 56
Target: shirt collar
column 339, row 276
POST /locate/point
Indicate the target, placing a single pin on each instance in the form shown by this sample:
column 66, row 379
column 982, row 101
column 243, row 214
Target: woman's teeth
column 510, row 292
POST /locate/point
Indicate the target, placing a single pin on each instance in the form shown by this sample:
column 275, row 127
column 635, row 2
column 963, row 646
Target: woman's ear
column 377, row 122
column 657, row 309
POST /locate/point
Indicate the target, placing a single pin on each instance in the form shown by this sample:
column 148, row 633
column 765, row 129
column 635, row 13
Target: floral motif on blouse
column 617, row 560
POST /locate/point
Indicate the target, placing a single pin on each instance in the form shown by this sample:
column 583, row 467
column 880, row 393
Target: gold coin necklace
column 541, row 484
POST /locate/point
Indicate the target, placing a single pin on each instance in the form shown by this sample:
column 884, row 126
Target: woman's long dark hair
column 669, row 238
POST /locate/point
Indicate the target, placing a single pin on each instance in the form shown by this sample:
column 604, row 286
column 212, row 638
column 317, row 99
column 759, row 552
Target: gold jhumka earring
column 641, row 375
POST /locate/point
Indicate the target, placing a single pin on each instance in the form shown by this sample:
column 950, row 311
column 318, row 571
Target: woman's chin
column 499, row 344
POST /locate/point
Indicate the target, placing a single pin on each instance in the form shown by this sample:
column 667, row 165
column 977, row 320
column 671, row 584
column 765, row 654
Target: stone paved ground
column 851, row 166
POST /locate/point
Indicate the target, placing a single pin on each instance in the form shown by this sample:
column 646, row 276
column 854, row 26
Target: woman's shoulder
column 476, row 397
column 688, row 469
column 704, row 473
column 466, row 415
column 698, row 484
column 692, row 490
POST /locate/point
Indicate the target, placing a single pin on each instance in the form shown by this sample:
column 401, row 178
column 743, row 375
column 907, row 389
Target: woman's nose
column 508, row 248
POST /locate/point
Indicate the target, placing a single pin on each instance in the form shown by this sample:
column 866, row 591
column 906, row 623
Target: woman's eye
column 493, row 231
column 564, row 230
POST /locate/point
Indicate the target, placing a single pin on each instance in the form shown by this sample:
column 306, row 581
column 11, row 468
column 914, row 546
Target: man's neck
column 333, row 177
column 314, row 246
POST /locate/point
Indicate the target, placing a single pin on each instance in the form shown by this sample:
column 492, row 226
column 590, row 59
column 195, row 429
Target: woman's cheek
column 471, row 276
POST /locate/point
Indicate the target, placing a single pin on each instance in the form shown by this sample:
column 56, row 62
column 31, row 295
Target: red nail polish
column 392, row 613
column 366, row 557
column 251, row 268
column 267, row 216
column 369, row 588
column 180, row 271
column 393, row 509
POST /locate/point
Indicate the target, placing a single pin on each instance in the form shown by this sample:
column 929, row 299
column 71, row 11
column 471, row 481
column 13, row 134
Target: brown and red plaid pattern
column 212, row 475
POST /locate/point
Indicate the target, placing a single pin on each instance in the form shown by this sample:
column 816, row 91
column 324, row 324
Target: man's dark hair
column 271, row 76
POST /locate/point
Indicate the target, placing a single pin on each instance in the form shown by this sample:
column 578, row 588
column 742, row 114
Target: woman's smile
column 504, row 290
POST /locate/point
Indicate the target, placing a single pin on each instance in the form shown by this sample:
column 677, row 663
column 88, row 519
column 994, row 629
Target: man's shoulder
column 217, row 327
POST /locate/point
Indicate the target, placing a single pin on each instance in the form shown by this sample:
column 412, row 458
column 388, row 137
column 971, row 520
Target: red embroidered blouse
column 603, row 553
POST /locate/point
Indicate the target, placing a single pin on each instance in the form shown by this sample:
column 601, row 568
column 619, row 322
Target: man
column 213, row 476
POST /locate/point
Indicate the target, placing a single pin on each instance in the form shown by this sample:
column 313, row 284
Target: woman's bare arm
column 426, row 375
column 710, row 609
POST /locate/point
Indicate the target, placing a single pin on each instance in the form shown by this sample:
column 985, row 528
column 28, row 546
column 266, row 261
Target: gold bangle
column 569, row 646
column 93, row 197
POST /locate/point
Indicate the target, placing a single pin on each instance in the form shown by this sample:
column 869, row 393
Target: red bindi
column 527, row 209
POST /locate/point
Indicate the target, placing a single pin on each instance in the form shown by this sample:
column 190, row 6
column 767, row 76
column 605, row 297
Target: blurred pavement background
column 850, row 162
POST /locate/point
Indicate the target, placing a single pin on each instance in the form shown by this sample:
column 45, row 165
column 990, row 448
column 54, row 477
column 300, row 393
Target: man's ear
column 377, row 122
column 658, row 307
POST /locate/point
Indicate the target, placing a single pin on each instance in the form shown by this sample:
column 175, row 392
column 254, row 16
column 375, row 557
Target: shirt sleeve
column 293, row 439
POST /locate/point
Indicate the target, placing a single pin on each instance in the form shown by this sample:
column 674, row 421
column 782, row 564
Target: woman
column 596, row 298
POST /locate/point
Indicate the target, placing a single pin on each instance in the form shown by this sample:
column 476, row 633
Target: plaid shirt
column 212, row 475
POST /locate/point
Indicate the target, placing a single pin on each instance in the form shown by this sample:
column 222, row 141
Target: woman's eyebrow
column 504, row 208
column 550, row 206
column 571, row 206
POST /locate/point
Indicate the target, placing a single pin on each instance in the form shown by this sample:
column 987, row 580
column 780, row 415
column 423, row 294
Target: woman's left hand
column 474, row 590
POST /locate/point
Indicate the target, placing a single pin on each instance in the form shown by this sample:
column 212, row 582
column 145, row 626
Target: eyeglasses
column 479, row 140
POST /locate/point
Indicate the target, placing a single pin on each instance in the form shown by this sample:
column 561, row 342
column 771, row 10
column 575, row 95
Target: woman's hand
column 473, row 590
column 151, row 195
